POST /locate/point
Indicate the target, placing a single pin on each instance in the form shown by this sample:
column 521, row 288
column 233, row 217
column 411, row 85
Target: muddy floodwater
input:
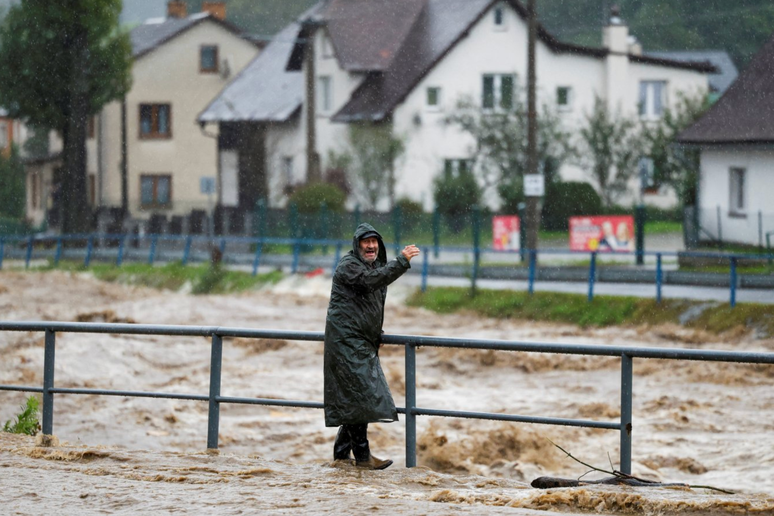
column 698, row 423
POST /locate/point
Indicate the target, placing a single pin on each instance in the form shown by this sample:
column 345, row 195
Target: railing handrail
column 397, row 339
column 411, row 342
column 344, row 242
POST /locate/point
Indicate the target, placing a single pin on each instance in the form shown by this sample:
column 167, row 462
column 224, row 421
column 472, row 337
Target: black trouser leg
column 343, row 444
column 359, row 439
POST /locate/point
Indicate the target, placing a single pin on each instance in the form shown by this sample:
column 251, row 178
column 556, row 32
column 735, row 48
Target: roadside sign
column 534, row 185
column 602, row 233
column 505, row 233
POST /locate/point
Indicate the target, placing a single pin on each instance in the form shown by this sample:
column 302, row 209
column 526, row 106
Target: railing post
column 296, row 256
column 49, row 357
column 592, row 275
column 2, row 251
column 187, row 250
column 89, row 249
column 732, row 281
column 120, row 257
column 532, row 263
column 626, row 415
column 213, row 420
column 436, row 231
column 58, row 253
column 152, row 253
column 659, row 277
column 257, row 259
column 425, row 267
column 28, row 256
column 411, row 403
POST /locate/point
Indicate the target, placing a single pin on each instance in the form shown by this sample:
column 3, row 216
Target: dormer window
column 208, row 59
column 498, row 17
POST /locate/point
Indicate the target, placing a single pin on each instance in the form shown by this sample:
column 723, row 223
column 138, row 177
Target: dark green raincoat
column 356, row 391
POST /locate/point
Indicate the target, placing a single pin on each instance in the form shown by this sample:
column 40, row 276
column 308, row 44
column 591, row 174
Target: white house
column 736, row 138
column 146, row 155
column 408, row 63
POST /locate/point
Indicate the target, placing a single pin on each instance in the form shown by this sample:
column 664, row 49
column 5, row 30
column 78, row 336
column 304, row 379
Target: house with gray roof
column 736, row 141
column 406, row 64
column 148, row 162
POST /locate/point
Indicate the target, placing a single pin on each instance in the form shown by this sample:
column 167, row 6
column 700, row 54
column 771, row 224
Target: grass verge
column 203, row 279
column 602, row 311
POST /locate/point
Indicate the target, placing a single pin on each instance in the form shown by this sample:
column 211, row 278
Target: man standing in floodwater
column 356, row 392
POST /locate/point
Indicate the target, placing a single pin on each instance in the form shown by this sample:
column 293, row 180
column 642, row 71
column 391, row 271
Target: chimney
column 177, row 9
column 216, row 9
column 616, row 35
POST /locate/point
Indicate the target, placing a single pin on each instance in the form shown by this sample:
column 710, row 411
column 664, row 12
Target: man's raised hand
column 410, row 251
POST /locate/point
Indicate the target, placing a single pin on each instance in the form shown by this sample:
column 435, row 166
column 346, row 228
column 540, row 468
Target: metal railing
column 254, row 251
column 410, row 342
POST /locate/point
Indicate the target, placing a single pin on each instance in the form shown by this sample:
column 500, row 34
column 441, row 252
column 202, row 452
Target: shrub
column 455, row 196
column 310, row 197
column 27, row 421
column 565, row 200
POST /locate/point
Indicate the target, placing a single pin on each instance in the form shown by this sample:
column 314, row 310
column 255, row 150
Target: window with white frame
column 497, row 91
column 652, row 98
column 564, row 98
column 433, row 98
column 737, row 201
column 498, row 17
column 325, row 89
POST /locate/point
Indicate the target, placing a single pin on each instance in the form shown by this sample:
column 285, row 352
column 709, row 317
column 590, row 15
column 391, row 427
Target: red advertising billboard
column 602, row 233
column 505, row 233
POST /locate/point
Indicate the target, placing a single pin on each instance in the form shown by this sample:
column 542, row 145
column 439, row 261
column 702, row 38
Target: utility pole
column 533, row 195
column 312, row 158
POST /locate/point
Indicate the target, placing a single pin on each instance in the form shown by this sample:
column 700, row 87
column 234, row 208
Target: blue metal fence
column 410, row 342
column 119, row 248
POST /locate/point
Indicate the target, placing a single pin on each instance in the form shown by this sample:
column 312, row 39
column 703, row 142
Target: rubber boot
column 363, row 457
column 343, row 444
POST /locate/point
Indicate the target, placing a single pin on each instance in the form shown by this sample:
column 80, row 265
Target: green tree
column 12, row 185
column 673, row 165
column 611, row 146
column 456, row 191
column 500, row 152
column 370, row 162
column 60, row 62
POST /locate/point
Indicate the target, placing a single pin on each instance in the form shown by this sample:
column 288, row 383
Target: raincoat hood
column 362, row 230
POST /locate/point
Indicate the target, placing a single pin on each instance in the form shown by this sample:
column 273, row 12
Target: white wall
column 714, row 192
column 284, row 140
